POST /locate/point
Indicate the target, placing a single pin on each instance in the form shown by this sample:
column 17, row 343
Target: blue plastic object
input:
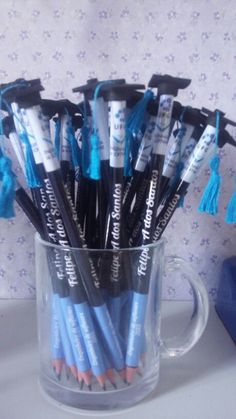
column 226, row 299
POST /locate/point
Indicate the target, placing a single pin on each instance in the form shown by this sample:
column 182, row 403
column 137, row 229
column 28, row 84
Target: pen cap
column 20, row 88
column 134, row 99
column 89, row 88
column 8, row 125
column 76, row 120
column 198, row 131
column 212, row 116
column 152, row 107
column 225, row 138
column 120, row 92
column 168, row 85
column 192, row 116
column 52, row 107
column 177, row 110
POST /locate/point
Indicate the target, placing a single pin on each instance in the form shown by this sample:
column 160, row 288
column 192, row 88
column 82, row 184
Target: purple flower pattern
column 64, row 44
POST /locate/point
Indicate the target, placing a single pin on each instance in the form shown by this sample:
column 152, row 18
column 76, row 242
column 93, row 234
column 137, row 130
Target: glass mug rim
column 160, row 242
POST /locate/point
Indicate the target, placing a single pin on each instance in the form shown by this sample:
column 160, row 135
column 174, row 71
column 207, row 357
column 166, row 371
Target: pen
column 88, row 273
column 116, row 95
column 74, row 333
column 201, row 153
column 182, row 145
column 167, row 89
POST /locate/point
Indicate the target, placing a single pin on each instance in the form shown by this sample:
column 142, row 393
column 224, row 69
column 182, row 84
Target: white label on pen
column 101, row 118
column 188, row 149
column 65, row 150
column 40, row 127
column 145, row 146
column 23, row 129
column 32, row 140
column 176, row 150
column 17, row 117
column 117, row 134
column 204, row 147
column 162, row 128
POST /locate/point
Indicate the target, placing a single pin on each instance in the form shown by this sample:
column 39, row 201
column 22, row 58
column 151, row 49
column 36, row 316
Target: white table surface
column 201, row 385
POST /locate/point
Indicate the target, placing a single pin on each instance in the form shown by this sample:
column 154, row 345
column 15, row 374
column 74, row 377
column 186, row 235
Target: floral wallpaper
column 65, row 42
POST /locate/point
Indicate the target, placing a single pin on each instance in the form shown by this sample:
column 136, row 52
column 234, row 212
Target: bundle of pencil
column 107, row 173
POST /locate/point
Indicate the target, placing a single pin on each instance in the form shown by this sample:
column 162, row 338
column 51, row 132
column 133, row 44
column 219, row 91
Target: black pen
column 117, row 96
column 99, row 113
column 182, row 144
column 167, row 88
column 39, row 124
column 201, row 154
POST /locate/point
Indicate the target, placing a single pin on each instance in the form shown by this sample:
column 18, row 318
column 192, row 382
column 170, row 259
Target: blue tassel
column 231, row 209
column 75, row 150
column 210, row 197
column 32, row 177
column 94, row 167
column 7, row 191
column 57, row 138
column 85, row 132
column 85, row 150
column 133, row 126
column 137, row 115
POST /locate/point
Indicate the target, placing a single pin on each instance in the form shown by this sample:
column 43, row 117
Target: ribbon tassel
column 7, row 188
column 231, row 208
column 210, row 197
column 94, row 168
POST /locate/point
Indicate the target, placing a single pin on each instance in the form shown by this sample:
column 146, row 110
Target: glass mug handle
column 179, row 345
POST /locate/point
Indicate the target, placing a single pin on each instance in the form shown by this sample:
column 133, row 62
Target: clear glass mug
column 104, row 352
